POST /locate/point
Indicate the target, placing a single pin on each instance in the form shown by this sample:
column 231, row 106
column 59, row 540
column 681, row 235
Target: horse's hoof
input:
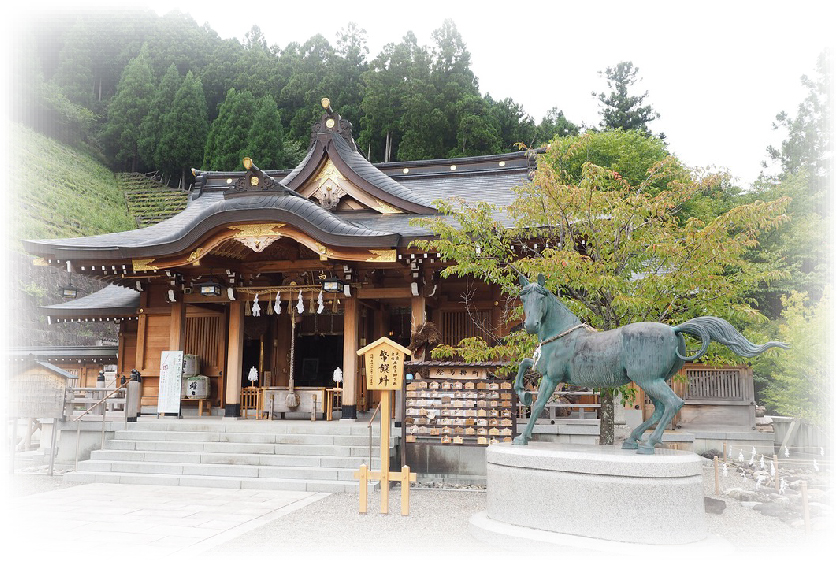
column 645, row 448
column 520, row 441
column 629, row 445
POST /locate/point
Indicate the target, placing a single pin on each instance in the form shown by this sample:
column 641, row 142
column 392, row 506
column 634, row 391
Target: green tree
column 616, row 251
column 126, row 112
column 552, row 125
column 184, row 130
column 227, row 141
column 454, row 82
column 806, row 159
column 797, row 382
column 151, row 128
column 265, row 139
column 620, row 110
column 397, row 83
column 513, row 124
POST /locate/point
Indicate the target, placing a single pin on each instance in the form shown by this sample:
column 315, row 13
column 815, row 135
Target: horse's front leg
column 548, row 386
column 522, row 394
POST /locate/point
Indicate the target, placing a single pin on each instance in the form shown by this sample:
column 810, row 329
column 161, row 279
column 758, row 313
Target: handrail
column 91, row 408
column 369, row 426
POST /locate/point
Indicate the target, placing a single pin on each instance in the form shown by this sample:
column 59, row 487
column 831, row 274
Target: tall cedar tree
column 265, row 145
column 126, row 112
column 152, row 125
column 227, row 140
column 184, row 130
column 620, row 110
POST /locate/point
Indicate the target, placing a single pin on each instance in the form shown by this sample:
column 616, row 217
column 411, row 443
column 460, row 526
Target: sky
column 716, row 72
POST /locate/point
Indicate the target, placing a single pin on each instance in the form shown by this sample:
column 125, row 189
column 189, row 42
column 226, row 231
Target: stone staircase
column 235, row 454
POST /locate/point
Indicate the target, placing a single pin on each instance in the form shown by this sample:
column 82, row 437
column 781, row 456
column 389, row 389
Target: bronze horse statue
column 645, row 353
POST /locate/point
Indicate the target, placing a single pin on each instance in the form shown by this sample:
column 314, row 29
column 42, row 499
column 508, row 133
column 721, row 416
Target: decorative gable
column 334, row 191
column 338, row 177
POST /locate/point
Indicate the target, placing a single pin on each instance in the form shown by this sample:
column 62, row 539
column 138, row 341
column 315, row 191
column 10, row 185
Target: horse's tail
column 709, row 328
column 525, row 365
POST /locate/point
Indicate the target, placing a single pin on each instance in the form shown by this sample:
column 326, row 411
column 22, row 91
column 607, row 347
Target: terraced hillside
column 58, row 191
column 150, row 201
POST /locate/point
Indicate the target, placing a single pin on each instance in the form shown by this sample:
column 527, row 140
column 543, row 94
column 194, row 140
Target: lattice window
column 458, row 325
column 203, row 335
column 715, row 384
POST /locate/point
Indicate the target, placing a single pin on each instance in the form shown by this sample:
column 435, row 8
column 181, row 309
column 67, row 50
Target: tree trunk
column 606, row 417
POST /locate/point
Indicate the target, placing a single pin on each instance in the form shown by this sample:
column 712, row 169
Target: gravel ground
column 438, row 526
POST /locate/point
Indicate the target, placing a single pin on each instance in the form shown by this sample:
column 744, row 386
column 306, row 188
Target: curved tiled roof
column 111, row 301
column 332, row 143
column 209, row 211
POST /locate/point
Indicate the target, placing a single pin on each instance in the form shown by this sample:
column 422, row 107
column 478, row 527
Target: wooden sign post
column 385, row 372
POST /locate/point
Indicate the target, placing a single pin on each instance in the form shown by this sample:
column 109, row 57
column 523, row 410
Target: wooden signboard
column 384, row 364
column 385, row 371
column 171, row 372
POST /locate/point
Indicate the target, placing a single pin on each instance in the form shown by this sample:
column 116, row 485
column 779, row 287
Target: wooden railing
column 109, row 404
column 710, row 384
column 554, row 409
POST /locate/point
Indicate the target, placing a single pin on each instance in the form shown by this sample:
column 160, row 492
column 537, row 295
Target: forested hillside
column 162, row 93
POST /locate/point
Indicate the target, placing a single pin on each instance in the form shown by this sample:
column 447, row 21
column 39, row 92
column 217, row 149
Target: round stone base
column 600, row 492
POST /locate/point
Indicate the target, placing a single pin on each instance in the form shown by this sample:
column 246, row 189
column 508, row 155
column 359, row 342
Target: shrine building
column 288, row 273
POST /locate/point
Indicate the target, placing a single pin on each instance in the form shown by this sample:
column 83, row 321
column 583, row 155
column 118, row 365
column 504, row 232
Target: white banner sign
column 171, row 371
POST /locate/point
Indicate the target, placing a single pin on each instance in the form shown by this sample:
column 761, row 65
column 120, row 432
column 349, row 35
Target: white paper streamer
column 320, row 302
column 300, row 307
column 256, row 309
column 277, row 305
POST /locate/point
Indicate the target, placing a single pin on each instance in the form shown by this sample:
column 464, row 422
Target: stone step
column 310, row 485
column 282, row 460
column 220, row 470
column 240, row 448
column 256, row 426
column 245, row 437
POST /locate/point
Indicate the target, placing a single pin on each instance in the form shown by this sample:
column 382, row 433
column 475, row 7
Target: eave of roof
column 66, row 352
column 113, row 301
column 179, row 233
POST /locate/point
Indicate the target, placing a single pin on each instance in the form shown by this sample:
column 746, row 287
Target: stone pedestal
column 600, row 492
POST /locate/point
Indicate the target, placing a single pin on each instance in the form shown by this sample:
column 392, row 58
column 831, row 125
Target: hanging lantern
column 277, row 305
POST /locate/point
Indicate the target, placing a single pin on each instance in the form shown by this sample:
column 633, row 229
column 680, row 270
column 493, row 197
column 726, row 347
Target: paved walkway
column 100, row 519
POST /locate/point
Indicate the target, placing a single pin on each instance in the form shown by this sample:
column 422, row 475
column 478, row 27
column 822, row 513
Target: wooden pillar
column 177, row 326
column 351, row 317
column 141, row 331
column 235, row 346
column 418, row 312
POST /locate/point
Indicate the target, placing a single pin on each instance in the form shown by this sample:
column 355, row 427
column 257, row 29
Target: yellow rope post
column 385, row 423
column 717, row 479
column 361, row 474
column 406, row 478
